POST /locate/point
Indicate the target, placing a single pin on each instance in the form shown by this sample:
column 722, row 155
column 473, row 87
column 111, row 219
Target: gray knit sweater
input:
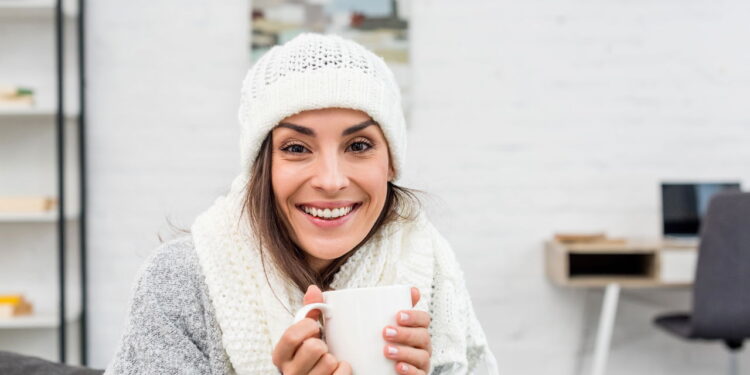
column 171, row 327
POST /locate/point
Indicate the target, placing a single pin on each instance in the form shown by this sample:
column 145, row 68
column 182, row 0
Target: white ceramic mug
column 354, row 320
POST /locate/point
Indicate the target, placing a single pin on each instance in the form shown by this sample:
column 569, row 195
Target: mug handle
column 302, row 313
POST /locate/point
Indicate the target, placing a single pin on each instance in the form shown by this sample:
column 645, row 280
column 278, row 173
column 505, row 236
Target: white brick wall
column 529, row 118
column 534, row 117
column 164, row 82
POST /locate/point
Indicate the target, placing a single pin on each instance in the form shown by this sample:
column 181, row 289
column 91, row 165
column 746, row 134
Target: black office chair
column 721, row 291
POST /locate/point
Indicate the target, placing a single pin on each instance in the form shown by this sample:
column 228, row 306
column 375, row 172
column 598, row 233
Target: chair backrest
column 721, row 293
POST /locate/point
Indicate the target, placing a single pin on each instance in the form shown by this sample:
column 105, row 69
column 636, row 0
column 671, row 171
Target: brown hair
column 273, row 231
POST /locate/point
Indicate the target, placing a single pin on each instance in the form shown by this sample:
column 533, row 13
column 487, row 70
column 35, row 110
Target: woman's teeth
column 328, row 213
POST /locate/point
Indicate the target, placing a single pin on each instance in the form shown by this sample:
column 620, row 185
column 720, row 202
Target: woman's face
column 329, row 171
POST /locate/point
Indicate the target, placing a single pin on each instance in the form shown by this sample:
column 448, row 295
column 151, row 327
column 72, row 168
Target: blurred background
column 526, row 120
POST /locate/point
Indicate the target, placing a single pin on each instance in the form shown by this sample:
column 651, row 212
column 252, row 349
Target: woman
column 315, row 207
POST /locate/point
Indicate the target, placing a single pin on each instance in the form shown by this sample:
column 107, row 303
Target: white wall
column 534, row 116
column 529, row 118
column 164, row 83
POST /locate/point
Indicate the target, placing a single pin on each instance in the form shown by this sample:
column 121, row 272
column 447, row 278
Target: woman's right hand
column 300, row 349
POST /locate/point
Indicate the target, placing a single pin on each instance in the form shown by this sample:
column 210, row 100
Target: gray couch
column 18, row 364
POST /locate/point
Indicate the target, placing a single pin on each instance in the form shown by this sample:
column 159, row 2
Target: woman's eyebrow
column 307, row 131
column 358, row 127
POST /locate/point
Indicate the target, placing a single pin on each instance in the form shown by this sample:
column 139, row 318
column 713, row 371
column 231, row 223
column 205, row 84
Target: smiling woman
column 315, row 207
column 334, row 159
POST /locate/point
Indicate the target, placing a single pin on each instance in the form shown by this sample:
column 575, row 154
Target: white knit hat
column 314, row 71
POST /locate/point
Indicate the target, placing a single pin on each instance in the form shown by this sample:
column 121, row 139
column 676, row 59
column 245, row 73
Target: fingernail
column 404, row 367
column 392, row 349
column 390, row 332
column 404, row 316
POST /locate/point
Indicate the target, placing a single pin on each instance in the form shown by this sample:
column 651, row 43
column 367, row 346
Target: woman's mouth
column 326, row 218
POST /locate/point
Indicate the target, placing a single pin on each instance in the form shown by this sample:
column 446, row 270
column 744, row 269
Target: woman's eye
column 294, row 149
column 360, row 146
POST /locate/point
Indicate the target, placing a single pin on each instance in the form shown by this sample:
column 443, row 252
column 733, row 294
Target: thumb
column 313, row 295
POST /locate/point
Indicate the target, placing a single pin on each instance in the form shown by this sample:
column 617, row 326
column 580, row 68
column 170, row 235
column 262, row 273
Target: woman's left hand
column 409, row 343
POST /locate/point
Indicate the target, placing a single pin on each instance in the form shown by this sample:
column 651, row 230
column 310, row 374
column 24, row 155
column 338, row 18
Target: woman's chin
column 327, row 251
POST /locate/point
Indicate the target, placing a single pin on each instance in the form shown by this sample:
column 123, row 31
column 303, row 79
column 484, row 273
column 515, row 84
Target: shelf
column 32, row 112
column 34, row 217
column 628, row 247
column 624, row 281
column 44, row 319
column 57, row 43
column 29, row 9
column 631, row 264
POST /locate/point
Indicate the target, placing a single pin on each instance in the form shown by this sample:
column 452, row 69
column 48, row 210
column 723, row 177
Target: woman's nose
column 329, row 175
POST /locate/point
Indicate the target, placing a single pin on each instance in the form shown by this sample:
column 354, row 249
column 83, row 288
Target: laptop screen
column 683, row 205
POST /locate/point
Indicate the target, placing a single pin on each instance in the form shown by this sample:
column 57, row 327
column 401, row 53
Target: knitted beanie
column 314, row 71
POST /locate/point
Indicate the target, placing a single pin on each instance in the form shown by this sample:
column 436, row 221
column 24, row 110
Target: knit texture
column 314, row 71
column 255, row 304
column 172, row 327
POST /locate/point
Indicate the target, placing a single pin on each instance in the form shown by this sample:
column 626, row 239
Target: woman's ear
column 391, row 173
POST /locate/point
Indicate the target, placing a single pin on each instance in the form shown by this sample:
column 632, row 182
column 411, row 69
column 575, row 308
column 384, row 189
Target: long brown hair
column 273, row 230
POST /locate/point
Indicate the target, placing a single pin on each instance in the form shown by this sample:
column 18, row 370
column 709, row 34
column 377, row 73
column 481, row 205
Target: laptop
column 683, row 206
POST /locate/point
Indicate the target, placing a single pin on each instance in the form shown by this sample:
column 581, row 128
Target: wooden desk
column 630, row 264
column 612, row 266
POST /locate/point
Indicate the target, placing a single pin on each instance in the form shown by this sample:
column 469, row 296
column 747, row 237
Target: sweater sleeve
column 165, row 329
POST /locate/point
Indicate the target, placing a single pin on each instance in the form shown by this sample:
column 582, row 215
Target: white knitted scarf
column 254, row 306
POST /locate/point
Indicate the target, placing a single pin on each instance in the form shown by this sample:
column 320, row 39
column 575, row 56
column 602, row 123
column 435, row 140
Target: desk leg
column 606, row 323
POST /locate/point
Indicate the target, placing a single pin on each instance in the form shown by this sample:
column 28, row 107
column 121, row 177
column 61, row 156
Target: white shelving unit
column 19, row 9
column 32, row 253
column 42, row 319
column 34, row 217
column 32, row 113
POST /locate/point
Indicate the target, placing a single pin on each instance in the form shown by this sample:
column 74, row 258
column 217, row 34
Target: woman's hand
column 409, row 343
column 300, row 349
